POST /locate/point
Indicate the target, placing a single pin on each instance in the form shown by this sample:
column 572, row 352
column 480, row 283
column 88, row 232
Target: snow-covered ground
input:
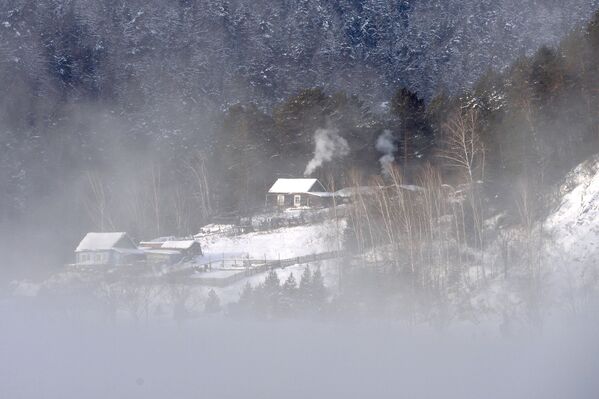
column 573, row 250
column 565, row 259
column 283, row 243
column 575, row 224
column 224, row 249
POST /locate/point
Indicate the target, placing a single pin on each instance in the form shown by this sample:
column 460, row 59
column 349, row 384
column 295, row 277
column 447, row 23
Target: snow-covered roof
column 183, row 244
column 163, row 239
column 288, row 186
column 104, row 241
column 129, row 251
column 162, row 252
column 150, row 244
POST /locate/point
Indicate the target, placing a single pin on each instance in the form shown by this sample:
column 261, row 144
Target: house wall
column 161, row 259
column 314, row 201
column 95, row 258
column 305, row 200
column 195, row 250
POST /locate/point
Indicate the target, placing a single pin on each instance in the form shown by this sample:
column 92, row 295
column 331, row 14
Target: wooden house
column 297, row 193
column 110, row 249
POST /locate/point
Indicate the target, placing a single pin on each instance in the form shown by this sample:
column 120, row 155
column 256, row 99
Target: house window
column 281, row 200
column 297, row 200
column 98, row 258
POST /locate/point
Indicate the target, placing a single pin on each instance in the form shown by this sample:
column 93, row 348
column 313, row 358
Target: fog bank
column 55, row 357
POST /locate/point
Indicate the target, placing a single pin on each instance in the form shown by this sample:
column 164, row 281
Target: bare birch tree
column 97, row 201
column 201, row 189
column 464, row 151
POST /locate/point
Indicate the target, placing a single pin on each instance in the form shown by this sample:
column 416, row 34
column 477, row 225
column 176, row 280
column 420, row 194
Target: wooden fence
column 198, row 275
column 216, row 277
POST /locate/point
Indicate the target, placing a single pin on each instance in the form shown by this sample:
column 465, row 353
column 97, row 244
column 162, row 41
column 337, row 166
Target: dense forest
column 115, row 119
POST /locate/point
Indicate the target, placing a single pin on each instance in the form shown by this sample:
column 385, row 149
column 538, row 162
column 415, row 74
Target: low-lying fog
column 48, row 356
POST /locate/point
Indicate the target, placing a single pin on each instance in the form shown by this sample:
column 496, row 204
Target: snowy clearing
column 283, row 243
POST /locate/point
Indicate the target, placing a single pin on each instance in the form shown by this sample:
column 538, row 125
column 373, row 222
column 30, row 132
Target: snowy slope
column 573, row 252
column 575, row 224
column 565, row 260
column 281, row 243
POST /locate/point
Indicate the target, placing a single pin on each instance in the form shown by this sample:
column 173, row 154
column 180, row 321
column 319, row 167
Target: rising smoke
column 328, row 145
column 386, row 145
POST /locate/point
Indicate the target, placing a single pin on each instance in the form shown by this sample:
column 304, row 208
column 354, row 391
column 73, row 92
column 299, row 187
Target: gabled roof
column 288, row 186
column 183, row 244
column 163, row 239
column 105, row 241
column 162, row 251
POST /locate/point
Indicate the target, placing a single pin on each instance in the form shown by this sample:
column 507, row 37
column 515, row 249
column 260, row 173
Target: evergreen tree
column 290, row 284
column 272, row 284
column 296, row 121
column 272, row 294
column 260, row 304
column 247, row 293
column 306, row 281
column 319, row 291
column 212, row 303
column 305, row 290
column 243, row 148
column 246, row 303
column 413, row 130
column 289, row 297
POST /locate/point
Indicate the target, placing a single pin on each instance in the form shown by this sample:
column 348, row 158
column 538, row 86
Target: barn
column 111, row 249
column 170, row 250
column 187, row 248
column 297, row 193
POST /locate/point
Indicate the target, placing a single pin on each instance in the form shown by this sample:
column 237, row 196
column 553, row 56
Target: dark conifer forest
column 154, row 117
column 299, row 199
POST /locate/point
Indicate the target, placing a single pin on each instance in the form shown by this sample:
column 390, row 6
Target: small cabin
column 170, row 250
column 111, row 249
column 297, row 193
column 187, row 248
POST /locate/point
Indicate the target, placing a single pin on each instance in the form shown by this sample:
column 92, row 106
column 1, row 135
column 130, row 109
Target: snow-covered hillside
column 283, row 243
column 573, row 249
column 575, row 224
column 560, row 275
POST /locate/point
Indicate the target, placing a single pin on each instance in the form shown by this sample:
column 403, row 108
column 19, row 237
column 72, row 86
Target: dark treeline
column 535, row 121
column 96, row 144
column 230, row 51
column 292, row 298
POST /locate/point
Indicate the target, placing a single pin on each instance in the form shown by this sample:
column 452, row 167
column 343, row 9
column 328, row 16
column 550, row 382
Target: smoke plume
column 328, row 146
column 385, row 144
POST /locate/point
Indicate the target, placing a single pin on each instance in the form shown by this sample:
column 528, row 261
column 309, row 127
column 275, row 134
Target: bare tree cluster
column 151, row 201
